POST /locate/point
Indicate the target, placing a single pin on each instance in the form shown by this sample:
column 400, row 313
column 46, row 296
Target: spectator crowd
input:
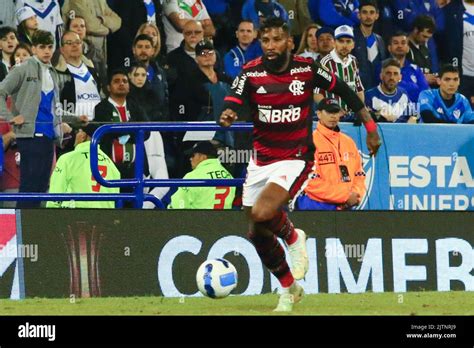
column 67, row 66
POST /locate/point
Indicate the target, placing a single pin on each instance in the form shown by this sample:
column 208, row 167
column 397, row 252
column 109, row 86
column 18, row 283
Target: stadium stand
column 176, row 86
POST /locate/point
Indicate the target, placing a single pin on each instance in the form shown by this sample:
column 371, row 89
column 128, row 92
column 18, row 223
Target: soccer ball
column 216, row 278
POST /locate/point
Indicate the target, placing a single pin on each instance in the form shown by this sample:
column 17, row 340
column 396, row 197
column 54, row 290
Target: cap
column 324, row 30
column 344, row 31
column 330, row 105
column 204, row 147
column 203, row 45
column 24, row 13
column 89, row 129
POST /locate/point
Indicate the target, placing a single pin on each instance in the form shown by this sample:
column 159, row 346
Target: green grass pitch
column 411, row 303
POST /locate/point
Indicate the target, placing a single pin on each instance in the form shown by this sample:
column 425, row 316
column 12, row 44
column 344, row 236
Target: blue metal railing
column 117, row 197
column 138, row 183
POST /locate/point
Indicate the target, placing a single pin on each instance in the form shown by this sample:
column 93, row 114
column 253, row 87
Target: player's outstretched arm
column 357, row 105
column 327, row 80
column 228, row 117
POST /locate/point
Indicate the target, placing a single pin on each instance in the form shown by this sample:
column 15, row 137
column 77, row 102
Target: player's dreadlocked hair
column 274, row 22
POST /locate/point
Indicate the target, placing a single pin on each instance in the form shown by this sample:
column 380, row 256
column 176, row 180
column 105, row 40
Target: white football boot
column 299, row 256
column 287, row 300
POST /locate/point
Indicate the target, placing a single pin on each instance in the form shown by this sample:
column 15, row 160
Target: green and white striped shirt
column 346, row 70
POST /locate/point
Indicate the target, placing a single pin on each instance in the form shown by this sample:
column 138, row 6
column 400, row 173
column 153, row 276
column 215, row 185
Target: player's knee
column 261, row 214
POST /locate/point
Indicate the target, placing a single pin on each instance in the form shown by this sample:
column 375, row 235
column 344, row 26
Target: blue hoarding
column 418, row 167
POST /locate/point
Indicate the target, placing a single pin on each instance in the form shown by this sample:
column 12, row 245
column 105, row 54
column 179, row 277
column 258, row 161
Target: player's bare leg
column 268, row 221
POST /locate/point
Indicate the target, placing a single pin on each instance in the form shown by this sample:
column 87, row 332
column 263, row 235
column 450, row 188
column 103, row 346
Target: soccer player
column 446, row 105
column 388, row 100
column 73, row 174
column 278, row 87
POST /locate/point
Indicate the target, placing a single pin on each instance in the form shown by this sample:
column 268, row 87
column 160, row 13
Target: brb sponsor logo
column 267, row 114
column 338, row 267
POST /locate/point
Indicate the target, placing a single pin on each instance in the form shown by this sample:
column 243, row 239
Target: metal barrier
column 139, row 182
column 117, row 197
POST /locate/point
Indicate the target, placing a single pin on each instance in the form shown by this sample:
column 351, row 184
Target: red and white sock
column 282, row 227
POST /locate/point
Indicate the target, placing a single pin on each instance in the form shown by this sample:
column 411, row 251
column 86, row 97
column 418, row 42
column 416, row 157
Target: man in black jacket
column 183, row 58
column 119, row 108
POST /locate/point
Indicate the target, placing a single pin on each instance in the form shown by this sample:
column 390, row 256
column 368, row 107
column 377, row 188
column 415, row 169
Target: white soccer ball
column 216, row 278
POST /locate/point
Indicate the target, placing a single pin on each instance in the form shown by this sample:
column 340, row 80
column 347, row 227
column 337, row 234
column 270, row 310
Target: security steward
column 72, row 174
column 205, row 165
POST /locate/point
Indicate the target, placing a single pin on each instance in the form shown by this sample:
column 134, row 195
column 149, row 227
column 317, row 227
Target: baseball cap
column 330, row 105
column 204, row 147
column 24, row 13
column 324, row 30
column 344, row 31
column 89, row 129
column 203, row 45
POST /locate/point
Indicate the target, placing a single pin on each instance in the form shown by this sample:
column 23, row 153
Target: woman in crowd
column 152, row 31
column 143, row 93
column 309, row 43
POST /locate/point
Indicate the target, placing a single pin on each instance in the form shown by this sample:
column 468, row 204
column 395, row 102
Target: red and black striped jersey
column 280, row 107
